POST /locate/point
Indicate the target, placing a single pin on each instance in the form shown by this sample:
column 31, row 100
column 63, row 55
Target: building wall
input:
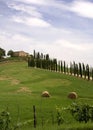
column 20, row 53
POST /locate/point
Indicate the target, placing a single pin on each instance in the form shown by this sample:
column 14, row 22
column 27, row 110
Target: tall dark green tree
column 71, row 67
column 74, row 68
column 64, row 67
column 34, row 54
column 53, row 64
column 87, row 72
column 47, row 56
column 83, row 71
column 41, row 55
column 80, row 70
column 38, row 56
column 56, row 66
column 61, row 66
column 31, row 62
column 67, row 69
column 44, row 56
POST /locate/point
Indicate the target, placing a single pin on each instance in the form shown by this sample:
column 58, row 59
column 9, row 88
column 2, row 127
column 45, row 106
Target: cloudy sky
column 62, row 28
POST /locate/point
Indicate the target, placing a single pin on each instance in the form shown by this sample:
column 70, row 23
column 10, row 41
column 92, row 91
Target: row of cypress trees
column 39, row 60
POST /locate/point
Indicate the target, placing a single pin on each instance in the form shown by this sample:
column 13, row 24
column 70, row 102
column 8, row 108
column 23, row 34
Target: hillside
column 21, row 87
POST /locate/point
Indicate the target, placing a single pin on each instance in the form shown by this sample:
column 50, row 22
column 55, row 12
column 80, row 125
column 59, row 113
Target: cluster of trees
column 40, row 60
column 81, row 70
column 3, row 53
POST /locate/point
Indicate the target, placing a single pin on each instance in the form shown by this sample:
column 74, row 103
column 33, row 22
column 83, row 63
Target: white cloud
column 38, row 2
column 31, row 10
column 83, row 47
column 15, row 42
column 82, row 8
column 21, row 38
column 34, row 22
column 51, row 3
column 28, row 14
column 67, row 44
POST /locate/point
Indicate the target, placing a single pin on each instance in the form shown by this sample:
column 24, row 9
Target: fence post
column 34, row 110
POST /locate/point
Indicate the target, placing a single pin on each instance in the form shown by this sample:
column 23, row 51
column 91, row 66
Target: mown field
column 21, row 88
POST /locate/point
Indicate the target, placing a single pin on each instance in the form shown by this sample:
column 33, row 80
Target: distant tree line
column 43, row 61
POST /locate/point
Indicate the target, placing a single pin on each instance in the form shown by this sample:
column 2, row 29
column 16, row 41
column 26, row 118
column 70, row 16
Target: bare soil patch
column 3, row 78
column 24, row 90
column 12, row 80
column 15, row 81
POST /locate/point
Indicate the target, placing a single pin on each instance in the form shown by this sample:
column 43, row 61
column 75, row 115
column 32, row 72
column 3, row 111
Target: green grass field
column 21, row 88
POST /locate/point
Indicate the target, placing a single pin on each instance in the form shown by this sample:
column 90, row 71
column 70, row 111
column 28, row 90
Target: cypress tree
column 87, row 71
column 54, row 62
column 74, row 68
column 47, row 56
column 80, row 70
column 49, row 64
column 41, row 55
column 84, row 71
column 34, row 54
column 38, row 55
column 71, row 68
column 56, row 66
column 61, row 66
column 64, row 67
column 67, row 68
column 32, row 62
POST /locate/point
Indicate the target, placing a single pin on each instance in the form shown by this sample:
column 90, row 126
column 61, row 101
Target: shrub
column 82, row 112
column 60, row 119
column 5, row 120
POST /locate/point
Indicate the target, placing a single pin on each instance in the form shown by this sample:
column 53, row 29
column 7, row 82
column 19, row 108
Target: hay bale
column 45, row 94
column 72, row 95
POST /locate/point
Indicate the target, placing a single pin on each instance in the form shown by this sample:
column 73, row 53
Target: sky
column 61, row 28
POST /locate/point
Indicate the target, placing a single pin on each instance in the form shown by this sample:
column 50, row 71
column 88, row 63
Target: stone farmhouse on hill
column 20, row 54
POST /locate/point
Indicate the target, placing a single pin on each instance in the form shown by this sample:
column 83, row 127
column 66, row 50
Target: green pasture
column 21, row 88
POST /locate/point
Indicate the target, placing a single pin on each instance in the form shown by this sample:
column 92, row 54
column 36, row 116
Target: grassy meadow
column 21, row 88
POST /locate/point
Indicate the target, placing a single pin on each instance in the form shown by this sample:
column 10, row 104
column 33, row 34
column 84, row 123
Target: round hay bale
column 72, row 95
column 45, row 94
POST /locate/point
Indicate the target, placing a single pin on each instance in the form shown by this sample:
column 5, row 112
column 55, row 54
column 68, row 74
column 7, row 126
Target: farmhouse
column 21, row 53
